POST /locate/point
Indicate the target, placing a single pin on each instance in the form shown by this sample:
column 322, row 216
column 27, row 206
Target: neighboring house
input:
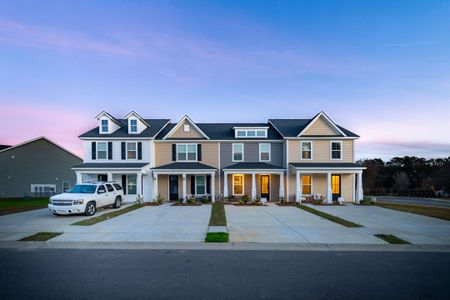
column 281, row 159
column 38, row 167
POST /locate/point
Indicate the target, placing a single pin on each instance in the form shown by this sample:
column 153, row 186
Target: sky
column 378, row 68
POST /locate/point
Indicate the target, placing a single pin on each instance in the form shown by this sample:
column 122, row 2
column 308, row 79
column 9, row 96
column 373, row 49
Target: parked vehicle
column 87, row 198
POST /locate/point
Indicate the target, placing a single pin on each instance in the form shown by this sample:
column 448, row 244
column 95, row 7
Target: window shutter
column 110, row 149
column 139, row 150
column 199, row 152
column 208, row 184
column 124, row 184
column 94, row 150
column 123, row 150
column 174, row 152
column 192, row 184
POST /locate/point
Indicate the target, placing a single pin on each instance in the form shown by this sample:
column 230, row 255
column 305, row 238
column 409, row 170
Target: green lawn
column 429, row 211
column 41, row 236
column 107, row 216
column 216, row 237
column 391, row 239
column 329, row 217
column 218, row 217
column 10, row 206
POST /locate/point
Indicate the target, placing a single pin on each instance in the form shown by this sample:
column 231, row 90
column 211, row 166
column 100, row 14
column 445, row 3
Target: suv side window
column 110, row 188
column 101, row 189
column 117, row 186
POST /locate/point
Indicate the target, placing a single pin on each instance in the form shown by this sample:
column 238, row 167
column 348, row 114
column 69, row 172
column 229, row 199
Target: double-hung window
column 131, row 150
column 186, row 152
column 102, row 150
column 104, row 126
column 238, row 152
column 133, row 126
column 200, row 185
column 264, row 152
column 336, row 150
column 306, row 150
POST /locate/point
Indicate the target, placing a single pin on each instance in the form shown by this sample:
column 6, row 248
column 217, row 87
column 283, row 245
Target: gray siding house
column 38, row 167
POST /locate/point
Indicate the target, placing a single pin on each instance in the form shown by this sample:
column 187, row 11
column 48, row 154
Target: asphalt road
column 196, row 274
column 416, row 201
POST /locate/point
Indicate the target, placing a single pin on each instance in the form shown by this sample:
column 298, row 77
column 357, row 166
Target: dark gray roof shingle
column 292, row 127
column 155, row 127
column 109, row 165
column 184, row 166
column 253, row 166
column 325, row 165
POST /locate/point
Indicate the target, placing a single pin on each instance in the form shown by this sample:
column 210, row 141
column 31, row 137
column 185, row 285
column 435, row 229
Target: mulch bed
column 249, row 204
column 187, row 204
column 152, row 204
column 286, row 204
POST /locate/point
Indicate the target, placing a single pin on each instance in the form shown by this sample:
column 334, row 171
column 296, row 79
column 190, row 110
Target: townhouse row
column 290, row 159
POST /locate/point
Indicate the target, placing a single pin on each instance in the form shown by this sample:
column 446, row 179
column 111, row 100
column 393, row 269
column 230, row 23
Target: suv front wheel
column 90, row 209
column 118, row 202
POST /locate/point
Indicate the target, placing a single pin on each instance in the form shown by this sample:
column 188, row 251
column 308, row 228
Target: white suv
column 86, row 198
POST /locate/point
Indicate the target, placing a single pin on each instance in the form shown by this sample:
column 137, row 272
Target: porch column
column 282, row 185
column 225, row 184
column 329, row 190
column 155, row 186
column 298, row 187
column 360, row 192
column 79, row 178
column 184, row 185
column 138, row 184
column 109, row 177
column 213, row 188
column 253, row 186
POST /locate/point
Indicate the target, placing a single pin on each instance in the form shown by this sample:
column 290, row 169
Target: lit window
column 238, row 184
column 264, row 152
column 131, row 150
column 306, row 150
column 104, row 124
column 187, row 152
column 306, row 184
column 102, row 150
column 133, row 125
column 238, row 152
column 336, row 149
column 200, row 185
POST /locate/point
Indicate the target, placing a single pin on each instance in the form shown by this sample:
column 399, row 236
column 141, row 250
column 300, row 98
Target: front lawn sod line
column 329, row 217
column 16, row 205
column 392, row 239
column 107, row 216
column 218, row 217
column 429, row 211
column 41, row 236
column 216, row 237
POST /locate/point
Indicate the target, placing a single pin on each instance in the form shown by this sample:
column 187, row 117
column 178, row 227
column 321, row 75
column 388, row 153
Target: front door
column 173, row 187
column 265, row 187
column 336, row 186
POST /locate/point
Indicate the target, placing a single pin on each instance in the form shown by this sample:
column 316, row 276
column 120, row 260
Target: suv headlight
column 77, row 202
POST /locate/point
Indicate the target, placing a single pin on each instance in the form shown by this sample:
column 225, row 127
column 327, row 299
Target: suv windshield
column 83, row 189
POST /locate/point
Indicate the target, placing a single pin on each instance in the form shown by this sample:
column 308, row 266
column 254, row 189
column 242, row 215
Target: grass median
column 40, row 237
column 329, row 217
column 392, row 239
column 15, row 205
column 429, row 211
column 218, row 216
column 216, row 237
column 107, row 216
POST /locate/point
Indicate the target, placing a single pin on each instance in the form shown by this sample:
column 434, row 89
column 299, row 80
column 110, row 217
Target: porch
column 338, row 182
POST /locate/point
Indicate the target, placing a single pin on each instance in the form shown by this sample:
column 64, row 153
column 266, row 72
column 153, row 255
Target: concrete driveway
column 276, row 224
column 414, row 228
column 163, row 223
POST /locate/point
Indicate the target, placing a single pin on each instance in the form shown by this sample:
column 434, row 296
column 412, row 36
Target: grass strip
column 329, row 217
column 16, row 205
column 41, row 236
column 391, row 239
column 216, row 237
column 218, row 216
column 429, row 211
column 107, row 216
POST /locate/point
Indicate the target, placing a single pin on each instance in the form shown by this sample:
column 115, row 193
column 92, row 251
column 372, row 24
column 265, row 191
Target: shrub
column 245, row 198
column 139, row 199
column 160, row 199
column 257, row 199
column 241, row 202
column 191, row 199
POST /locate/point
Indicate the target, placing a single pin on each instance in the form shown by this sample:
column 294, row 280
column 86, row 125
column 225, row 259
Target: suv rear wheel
column 90, row 209
column 118, row 202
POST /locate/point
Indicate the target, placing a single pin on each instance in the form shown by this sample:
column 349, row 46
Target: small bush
column 245, row 198
column 160, row 199
column 191, row 200
column 258, row 199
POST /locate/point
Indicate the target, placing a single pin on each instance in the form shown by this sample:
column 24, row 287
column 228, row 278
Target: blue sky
column 379, row 68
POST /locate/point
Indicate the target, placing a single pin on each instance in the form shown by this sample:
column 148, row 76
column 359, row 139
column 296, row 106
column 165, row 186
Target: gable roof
column 150, row 132
column 133, row 113
column 176, row 126
column 104, row 113
column 37, row 139
column 315, row 118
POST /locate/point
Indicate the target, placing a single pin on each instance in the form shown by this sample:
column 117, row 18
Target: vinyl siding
column 321, row 151
column 117, row 152
column 163, row 153
column 321, row 127
column 251, row 153
column 274, row 186
column 193, row 132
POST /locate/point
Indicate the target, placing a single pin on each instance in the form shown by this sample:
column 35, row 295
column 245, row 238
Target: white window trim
column 43, row 185
column 129, row 126
column 232, row 152
column 96, row 150
column 188, row 160
column 270, row 152
column 101, row 126
column 186, row 128
column 126, row 182
column 301, row 150
column 243, row 188
column 246, row 130
column 126, row 151
column 204, row 182
column 331, row 150
column 312, row 184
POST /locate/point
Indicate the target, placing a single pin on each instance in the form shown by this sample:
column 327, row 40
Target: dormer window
column 250, row 133
column 104, row 126
column 133, row 126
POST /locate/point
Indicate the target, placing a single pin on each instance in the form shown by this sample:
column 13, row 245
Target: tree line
column 408, row 175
